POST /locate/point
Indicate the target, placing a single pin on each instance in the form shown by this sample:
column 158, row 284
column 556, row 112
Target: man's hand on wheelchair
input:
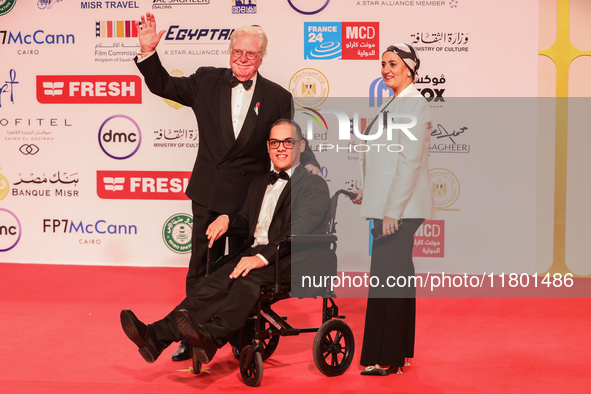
column 246, row 265
column 216, row 229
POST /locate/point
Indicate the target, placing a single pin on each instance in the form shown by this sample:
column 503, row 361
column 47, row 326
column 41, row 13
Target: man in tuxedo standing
column 289, row 200
column 235, row 108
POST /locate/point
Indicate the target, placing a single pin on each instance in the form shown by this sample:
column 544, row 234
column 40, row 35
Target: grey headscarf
column 409, row 56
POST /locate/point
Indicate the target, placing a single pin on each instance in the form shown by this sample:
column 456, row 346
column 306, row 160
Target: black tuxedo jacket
column 302, row 208
column 225, row 166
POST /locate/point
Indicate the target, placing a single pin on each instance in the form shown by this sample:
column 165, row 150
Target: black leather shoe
column 183, row 352
column 204, row 346
column 236, row 352
column 373, row 371
column 138, row 333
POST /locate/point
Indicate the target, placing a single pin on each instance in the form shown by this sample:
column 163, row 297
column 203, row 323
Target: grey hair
column 251, row 31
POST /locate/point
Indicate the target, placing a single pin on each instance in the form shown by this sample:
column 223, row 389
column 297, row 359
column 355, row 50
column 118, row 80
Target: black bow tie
column 273, row 176
column 235, row 81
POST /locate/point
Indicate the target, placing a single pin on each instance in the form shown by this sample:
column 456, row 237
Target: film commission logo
column 176, row 233
column 89, row 89
column 6, row 6
column 309, row 87
column 142, row 185
column 445, row 187
column 341, row 40
column 10, row 230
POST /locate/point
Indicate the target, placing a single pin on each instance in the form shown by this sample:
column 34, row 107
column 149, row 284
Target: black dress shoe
column 373, row 371
column 236, row 352
column 183, row 352
column 138, row 333
column 203, row 343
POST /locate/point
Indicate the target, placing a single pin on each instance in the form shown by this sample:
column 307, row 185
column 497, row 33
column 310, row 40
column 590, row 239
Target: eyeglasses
column 249, row 55
column 287, row 143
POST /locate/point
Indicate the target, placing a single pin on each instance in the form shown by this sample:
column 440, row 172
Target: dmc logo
column 10, row 230
column 29, row 149
column 308, row 12
column 176, row 233
column 120, row 137
column 8, row 87
column 142, row 185
column 89, row 89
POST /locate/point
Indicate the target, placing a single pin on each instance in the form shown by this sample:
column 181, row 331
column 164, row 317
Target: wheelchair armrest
column 239, row 232
column 311, row 238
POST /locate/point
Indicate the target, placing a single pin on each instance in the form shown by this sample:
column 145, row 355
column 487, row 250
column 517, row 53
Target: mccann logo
column 89, row 89
column 176, row 233
column 120, row 137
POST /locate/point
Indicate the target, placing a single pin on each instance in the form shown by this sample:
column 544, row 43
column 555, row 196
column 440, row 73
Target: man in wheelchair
column 289, row 200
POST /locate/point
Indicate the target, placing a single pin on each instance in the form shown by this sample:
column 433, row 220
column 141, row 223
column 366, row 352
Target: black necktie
column 235, row 81
column 273, row 176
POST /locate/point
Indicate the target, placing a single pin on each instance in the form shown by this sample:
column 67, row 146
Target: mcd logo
column 142, row 185
column 89, row 89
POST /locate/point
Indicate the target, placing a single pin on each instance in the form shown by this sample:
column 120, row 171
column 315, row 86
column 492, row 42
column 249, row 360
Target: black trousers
column 221, row 304
column 389, row 333
column 202, row 218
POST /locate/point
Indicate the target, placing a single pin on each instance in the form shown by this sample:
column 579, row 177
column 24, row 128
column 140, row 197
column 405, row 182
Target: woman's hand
column 389, row 226
column 357, row 200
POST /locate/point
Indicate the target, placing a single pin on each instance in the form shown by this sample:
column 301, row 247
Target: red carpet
column 61, row 334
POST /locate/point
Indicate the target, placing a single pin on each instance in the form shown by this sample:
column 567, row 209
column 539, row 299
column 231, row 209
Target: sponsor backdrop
column 93, row 166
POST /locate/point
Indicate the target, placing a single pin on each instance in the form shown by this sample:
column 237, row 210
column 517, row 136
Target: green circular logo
column 177, row 231
column 6, row 6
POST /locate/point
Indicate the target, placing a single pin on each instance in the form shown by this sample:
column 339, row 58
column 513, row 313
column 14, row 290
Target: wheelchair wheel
column 252, row 374
column 334, row 346
column 246, row 336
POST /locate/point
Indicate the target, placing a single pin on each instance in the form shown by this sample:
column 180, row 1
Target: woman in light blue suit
column 397, row 195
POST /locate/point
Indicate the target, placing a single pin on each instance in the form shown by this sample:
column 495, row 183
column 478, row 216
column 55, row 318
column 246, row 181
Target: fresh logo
column 89, row 89
column 176, row 233
column 142, row 185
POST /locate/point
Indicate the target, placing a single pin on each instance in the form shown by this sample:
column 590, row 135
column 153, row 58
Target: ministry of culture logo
column 176, row 233
column 6, row 6
column 320, row 5
column 446, row 188
column 4, row 187
column 309, row 87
